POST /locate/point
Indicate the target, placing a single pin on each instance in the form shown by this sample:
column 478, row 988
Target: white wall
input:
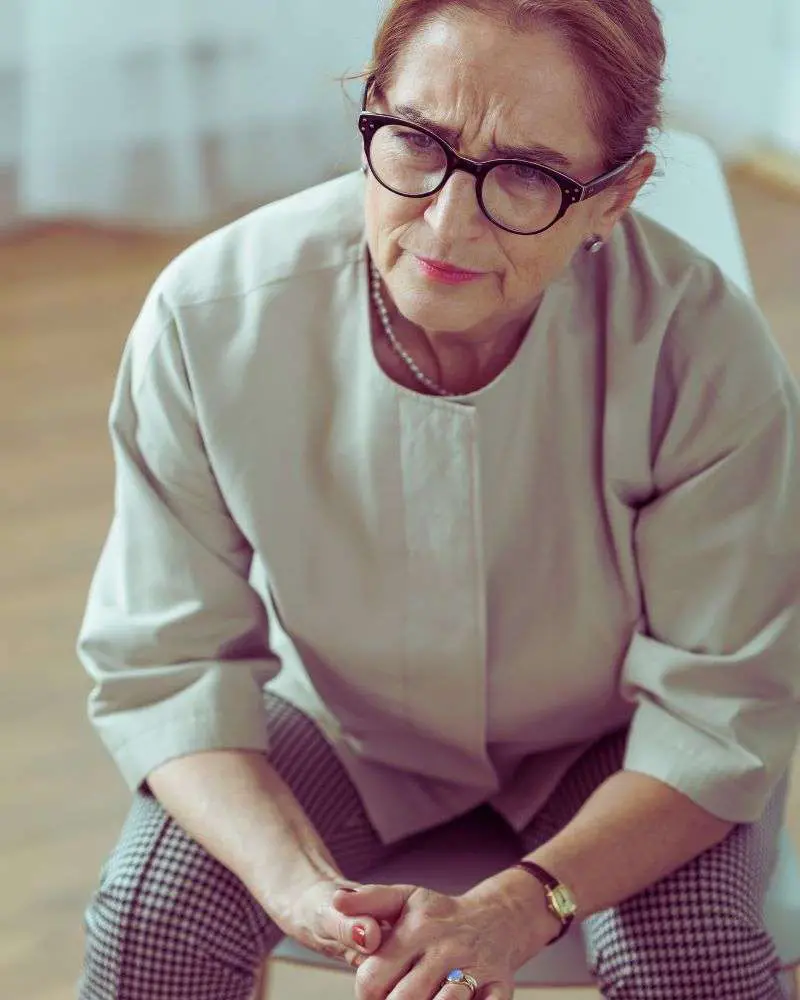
column 174, row 110
column 727, row 64
column 786, row 132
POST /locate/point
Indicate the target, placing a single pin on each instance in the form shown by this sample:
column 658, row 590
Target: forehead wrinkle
column 418, row 112
column 479, row 86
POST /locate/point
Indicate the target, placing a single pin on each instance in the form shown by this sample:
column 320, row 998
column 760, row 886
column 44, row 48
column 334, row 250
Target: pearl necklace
column 396, row 345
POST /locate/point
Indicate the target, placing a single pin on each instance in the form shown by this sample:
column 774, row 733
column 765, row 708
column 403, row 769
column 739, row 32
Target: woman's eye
column 531, row 176
column 418, row 141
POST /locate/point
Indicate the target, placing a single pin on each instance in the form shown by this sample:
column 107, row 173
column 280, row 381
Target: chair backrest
column 693, row 200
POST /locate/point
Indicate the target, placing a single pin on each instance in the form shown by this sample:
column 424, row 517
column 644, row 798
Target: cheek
column 387, row 216
column 545, row 258
column 530, row 260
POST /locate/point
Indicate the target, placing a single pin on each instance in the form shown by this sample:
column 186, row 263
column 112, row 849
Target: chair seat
column 459, row 854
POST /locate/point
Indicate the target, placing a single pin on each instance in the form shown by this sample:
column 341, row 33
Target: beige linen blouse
column 465, row 593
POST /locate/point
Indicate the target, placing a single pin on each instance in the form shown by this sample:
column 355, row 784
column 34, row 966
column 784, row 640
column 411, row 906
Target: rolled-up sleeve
column 715, row 671
column 174, row 637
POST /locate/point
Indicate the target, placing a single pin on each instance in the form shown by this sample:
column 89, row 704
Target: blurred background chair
column 692, row 199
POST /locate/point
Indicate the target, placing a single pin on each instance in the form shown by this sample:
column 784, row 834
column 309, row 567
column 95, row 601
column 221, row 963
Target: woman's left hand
column 485, row 934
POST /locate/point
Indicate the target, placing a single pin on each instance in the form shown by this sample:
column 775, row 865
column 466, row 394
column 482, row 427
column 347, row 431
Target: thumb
column 383, row 902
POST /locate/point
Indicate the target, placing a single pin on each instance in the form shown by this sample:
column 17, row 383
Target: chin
column 428, row 311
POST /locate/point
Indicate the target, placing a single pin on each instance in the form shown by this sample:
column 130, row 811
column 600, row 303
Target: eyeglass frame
column 572, row 190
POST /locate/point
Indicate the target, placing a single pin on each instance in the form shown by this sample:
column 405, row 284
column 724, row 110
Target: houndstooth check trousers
column 169, row 922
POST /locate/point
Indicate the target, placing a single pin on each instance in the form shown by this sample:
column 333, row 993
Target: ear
column 617, row 200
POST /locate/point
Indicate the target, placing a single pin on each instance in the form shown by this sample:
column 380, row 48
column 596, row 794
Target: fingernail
column 345, row 888
column 359, row 935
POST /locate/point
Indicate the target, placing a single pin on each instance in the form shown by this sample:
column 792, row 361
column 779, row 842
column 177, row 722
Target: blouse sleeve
column 715, row 672
column 174, row 637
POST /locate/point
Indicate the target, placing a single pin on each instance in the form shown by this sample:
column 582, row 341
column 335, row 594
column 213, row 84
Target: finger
column 489, row 991
column 384, row 902
column 379, row 974
column 370, row 941
column 495, row 992
column 362, row 933
column 424, row 978
column 354, row 958
column 341, row 933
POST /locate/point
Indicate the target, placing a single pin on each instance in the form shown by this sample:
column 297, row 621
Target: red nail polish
column 359, row 934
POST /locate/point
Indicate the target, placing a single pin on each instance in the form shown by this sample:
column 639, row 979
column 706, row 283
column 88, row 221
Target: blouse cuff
column 720, row 776
column 222, row 708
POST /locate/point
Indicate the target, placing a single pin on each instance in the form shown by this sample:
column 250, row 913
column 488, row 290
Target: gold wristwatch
column 560, row 901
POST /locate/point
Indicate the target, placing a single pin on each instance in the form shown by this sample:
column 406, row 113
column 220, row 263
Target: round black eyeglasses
column 520, row 196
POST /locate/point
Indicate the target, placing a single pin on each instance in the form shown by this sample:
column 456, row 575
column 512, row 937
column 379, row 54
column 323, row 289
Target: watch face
column 563, row 901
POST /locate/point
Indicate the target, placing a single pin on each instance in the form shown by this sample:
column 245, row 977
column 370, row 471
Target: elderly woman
column 450, row 482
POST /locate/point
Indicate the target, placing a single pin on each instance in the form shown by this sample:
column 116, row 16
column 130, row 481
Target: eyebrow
column 542, row 154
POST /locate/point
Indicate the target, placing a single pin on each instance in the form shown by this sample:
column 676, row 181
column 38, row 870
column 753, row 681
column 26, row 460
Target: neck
column 460, row 362
column 456, row 362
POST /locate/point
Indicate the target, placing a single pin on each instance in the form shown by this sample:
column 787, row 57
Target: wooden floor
column 67, row 300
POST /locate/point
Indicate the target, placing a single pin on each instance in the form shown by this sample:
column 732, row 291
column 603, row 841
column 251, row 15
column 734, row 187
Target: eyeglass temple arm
column 601, row 183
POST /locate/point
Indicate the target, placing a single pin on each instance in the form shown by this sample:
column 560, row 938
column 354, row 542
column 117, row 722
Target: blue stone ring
column 461, row 978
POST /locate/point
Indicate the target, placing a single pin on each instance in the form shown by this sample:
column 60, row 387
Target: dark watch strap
column 547, row 880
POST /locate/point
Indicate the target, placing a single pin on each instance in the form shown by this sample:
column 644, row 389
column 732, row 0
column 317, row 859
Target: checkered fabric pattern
column 169, row 922
column 697, row 934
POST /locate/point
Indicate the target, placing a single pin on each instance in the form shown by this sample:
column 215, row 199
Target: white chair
column 692, row 198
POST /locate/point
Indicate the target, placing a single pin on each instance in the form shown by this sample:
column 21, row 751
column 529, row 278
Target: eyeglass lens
column 516, row 195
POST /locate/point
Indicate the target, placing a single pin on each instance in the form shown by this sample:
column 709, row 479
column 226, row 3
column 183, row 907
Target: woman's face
column 467, row 72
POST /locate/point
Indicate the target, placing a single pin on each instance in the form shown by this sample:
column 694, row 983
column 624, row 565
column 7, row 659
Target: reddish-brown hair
column 619, row 45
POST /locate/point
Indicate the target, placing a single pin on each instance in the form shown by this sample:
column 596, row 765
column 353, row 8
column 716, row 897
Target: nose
column 454, row 211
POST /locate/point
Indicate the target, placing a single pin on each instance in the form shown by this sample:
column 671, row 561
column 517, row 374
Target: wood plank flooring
column 68, row 297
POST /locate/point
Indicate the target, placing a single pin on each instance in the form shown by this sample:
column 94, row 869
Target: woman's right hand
column 313, row 920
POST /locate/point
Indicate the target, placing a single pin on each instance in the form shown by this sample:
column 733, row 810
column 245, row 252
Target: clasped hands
column 414, row 937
